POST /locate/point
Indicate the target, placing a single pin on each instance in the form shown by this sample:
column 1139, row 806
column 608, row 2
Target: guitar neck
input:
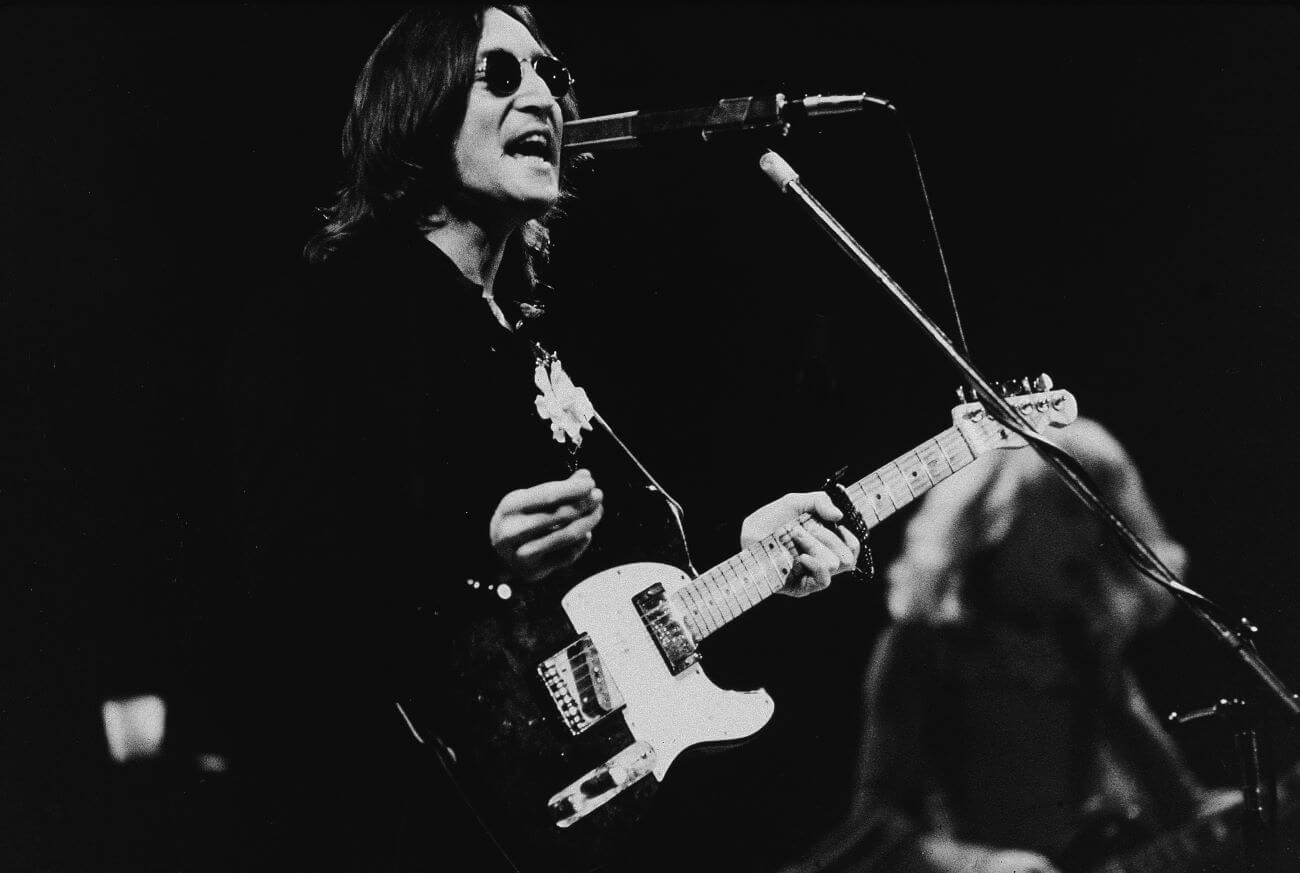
column 725, row 592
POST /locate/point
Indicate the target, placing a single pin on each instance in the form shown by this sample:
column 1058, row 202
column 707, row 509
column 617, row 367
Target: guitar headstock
column 1040, row 404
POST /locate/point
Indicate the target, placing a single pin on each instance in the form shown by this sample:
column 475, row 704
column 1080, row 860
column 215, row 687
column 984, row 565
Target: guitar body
column 511, row 747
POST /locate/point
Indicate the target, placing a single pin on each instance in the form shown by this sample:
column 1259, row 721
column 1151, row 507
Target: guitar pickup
column 578, row 685
column 671, row 637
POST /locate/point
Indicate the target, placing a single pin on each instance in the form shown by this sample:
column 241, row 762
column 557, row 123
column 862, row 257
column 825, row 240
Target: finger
column 809, row 576
column 559, row 560
column 557, row 540
column 855, row 547
column 820, row 556
column 833, row 541
column 815, row 550
column 548, row 494
column 823, row 508
column 515, row 528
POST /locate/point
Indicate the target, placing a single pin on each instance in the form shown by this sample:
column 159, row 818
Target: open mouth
column 536, row 146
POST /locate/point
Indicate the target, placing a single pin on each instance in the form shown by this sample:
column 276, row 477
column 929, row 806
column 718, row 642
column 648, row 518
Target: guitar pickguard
column 671, row 712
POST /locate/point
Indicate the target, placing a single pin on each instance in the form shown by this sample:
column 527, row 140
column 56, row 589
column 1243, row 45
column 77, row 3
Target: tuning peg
column 1043, row 382
column 1025, row 387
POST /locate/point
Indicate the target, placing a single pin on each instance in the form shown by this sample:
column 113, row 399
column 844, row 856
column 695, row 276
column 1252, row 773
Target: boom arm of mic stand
column 785, row 178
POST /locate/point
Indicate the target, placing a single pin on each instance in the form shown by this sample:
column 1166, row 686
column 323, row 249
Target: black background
column 1116, row 188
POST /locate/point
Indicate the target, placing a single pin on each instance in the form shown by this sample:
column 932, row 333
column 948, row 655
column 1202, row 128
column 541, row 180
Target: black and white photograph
column 788, row 437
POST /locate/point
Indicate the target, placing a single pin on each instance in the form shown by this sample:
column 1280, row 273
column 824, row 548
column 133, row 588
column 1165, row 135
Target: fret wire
column 746, row 574
column 746, row 568
column 735, row 574
column 956, row 448
column 712, row 598
column 771, row 568
column 895, row 482
column 744, row 580
column 753, row 569
column 742, row 593
column 863, row 504
column 757, row 569
column 704, row 595
column 688, row 605
column 697, row 605
column 722, row 583
column 701, row 606
column 729, row 600
column 688, row 615
column 936, row 464
column 766, row 568
column 721, row 599
column 881, row 499
column 913, row 468
column 749, row 587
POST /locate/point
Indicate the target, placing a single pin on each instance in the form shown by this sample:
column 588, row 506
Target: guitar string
column 710, row 609
column 708, row 606
column 710, row 615
column 661, row 616
column 712, row 604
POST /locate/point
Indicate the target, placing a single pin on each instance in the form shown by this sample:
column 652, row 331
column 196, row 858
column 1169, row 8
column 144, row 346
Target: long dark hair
column 408, row 105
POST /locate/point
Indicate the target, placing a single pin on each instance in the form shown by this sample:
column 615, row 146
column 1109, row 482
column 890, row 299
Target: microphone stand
column 1236, row 637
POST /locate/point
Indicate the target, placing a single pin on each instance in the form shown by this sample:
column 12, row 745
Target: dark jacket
column 385, row 412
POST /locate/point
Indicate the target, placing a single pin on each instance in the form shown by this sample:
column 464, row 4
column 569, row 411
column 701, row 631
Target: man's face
column 507, row 151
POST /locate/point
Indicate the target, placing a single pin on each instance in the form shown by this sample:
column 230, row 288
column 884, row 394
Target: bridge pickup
column 670, row 635
column 579, row 686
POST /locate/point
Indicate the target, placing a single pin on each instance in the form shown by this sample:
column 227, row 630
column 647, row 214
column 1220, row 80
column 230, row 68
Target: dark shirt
column 385, row 413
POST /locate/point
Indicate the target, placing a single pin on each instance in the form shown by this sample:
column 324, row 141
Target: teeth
column 533, row 138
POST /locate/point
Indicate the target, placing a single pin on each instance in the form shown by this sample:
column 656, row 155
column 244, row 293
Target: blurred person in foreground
column 1003, row 730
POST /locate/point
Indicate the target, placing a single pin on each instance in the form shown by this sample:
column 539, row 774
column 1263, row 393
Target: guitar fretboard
column 743, row 581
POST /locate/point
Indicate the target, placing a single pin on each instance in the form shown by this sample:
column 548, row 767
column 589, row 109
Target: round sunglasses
column 503, row 73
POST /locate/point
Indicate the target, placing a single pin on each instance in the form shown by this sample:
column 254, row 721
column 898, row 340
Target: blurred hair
column 398, row 140
column 960, row 523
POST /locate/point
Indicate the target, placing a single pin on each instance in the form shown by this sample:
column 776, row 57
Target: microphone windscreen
column 778, row 169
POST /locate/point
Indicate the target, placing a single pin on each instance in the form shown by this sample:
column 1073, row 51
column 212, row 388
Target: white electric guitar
column 560, row 718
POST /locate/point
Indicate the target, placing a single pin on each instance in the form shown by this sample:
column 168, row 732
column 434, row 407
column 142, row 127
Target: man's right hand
column 547, row 527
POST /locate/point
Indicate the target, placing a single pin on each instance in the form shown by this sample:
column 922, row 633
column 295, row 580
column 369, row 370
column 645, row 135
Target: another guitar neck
column 743, row 581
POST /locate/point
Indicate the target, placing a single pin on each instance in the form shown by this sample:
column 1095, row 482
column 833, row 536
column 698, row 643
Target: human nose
column 533, row 90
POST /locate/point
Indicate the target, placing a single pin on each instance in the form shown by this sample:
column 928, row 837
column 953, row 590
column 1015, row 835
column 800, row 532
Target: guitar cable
column 446, row 757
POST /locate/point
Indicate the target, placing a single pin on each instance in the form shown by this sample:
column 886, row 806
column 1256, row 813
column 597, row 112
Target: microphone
column 635, row 129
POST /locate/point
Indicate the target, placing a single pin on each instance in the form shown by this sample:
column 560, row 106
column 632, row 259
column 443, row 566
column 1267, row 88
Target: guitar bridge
column 578, row 686
column 602, row 785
